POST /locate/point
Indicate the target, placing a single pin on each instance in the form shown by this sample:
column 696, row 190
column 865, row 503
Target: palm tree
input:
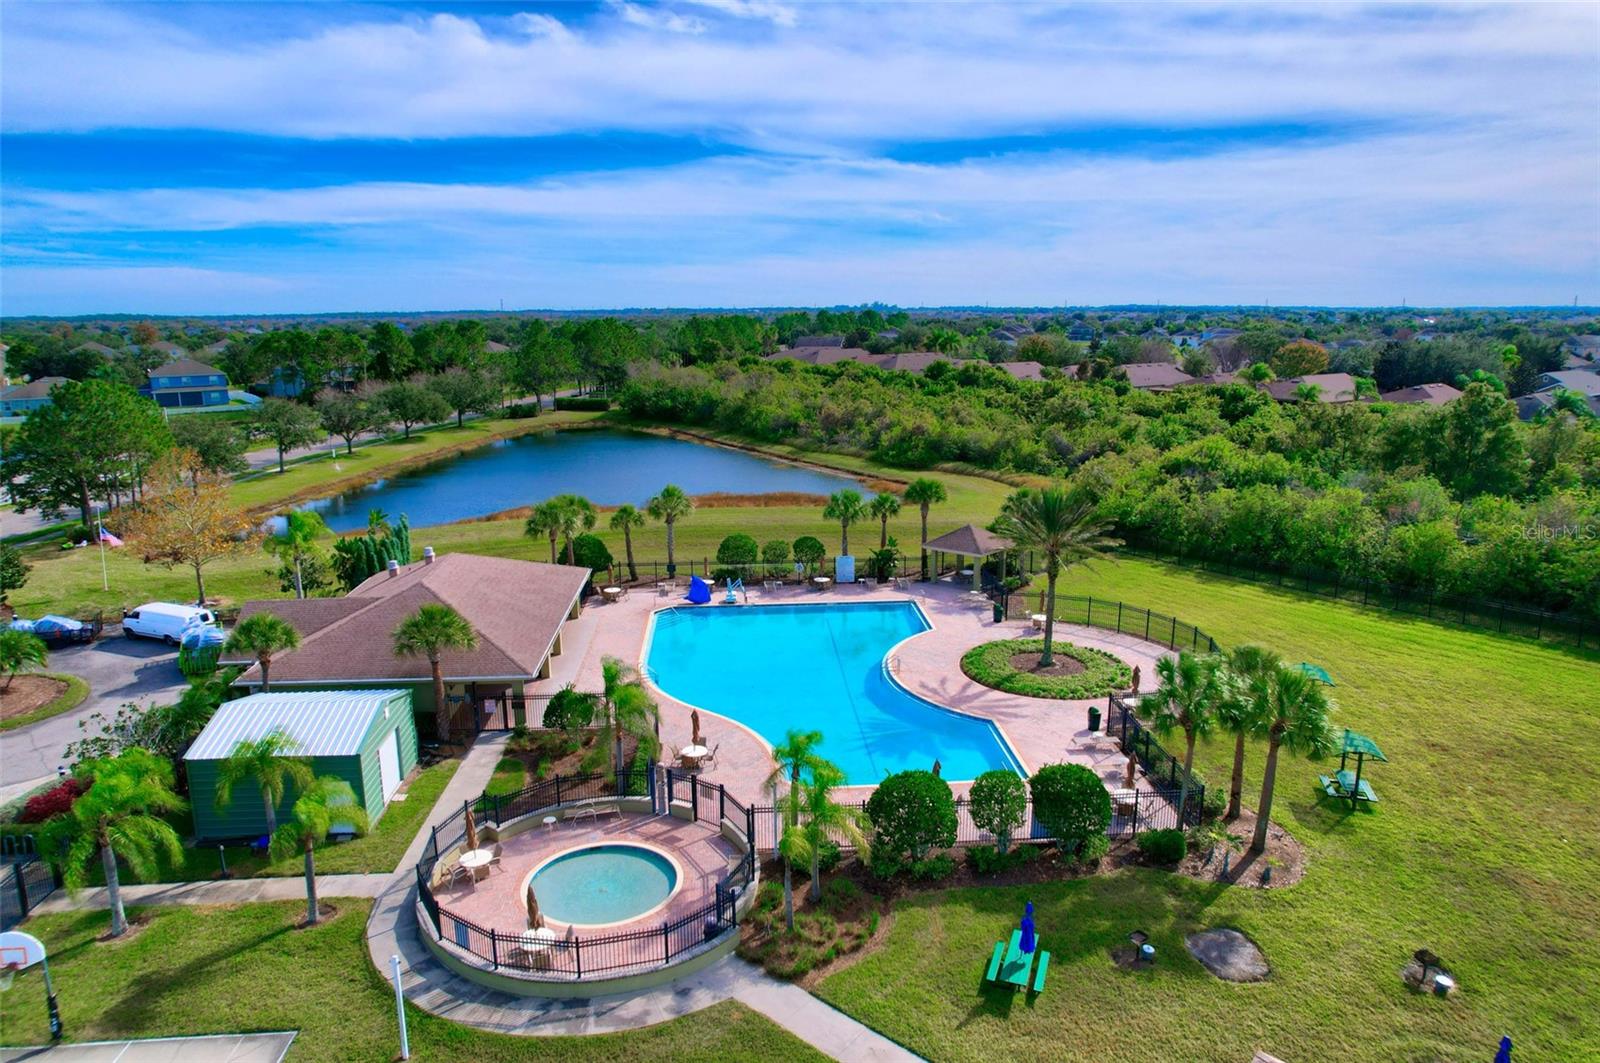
column 261, row 635
column 624, row 520
column 628, row 710
column 669, row 507
column 269, row 762
column 924, row 494
column 327, row 802
column 1307, row 393
column 822, row 817
column 377, row 523
column 1296, row 719
column 428, row 632
column 883, row 507
column 118, row 817
column 1245, row 688
column 846, row 507
column 19, row 650
column 301, row 530
column 795, row 756
column 574, row 515
column 1065, row 531
column 1185, row 701
column 545, row 520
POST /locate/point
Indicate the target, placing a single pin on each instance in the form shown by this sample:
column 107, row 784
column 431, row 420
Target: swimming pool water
column 819, row 667
column 603, row 884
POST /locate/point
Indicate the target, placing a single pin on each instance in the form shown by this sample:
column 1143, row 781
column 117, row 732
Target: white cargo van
column 164, row 621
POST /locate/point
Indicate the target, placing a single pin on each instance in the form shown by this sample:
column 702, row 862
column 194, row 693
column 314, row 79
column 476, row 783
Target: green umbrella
column 1317, row 672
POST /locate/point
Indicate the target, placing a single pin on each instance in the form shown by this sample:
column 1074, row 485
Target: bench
column 1038, row 972
column 994, row 962
column 1339, row 788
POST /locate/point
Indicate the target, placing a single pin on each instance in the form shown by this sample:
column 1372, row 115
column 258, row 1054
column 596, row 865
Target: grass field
column 246, row 968
column 1485, row 848
column 70, row 581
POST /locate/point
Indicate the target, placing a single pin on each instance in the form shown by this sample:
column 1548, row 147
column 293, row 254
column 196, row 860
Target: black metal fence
column 1162, row 770
column 1507, row 618
column 585, row 956
column 23, row 886
column 786, row 572
column 1120, row 617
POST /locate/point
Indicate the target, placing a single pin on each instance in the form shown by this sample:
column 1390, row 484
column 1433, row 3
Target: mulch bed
column 1060, row 664
column 27, row 693
column 1285, row 855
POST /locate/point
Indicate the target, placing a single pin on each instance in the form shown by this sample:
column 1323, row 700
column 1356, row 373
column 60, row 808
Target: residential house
column 1023, row 370
column 1219, row 334
column 1080, row 333
column 1187, row 339
column 167, row 349
column 1331, row 387
column 365, row 738
column 1583, row 381
column 517, row 608
column 1155, row 376
column 913, row 361
column 495, row 347
column 828, row 355
column 187, row 383
column 98, row 348
column 1425, row 394
column 19, row 400
column 818, row 341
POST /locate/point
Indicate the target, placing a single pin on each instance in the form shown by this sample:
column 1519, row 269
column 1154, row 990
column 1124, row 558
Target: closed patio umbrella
column 1029, row 941
column 472, row 830
column 535, row 917
column 694, row 726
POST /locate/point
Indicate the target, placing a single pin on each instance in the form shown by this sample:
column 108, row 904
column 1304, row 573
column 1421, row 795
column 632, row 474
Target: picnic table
column 1009, row 965
column 1345, row 786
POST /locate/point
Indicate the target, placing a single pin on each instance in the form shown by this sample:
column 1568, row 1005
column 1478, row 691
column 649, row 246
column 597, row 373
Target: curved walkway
column 392, row 930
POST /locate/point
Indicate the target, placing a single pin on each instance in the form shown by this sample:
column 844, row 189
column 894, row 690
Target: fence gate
column 23, row 885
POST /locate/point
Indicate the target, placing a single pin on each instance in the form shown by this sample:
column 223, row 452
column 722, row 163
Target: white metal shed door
column 389, row 764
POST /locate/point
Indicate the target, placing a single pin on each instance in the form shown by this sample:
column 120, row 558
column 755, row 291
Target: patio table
column 1013, row 965
column 611, row 594
column 476, row 861
column 820, row 582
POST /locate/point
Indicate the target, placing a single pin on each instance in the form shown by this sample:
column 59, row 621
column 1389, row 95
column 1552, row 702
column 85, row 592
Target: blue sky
column 257, row 158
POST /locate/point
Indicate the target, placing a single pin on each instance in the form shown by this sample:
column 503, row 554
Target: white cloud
column 653, row 18
column 761, row 10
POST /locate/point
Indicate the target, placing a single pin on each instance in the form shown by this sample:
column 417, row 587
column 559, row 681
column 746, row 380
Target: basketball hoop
column 8, row 974
column 18, row 951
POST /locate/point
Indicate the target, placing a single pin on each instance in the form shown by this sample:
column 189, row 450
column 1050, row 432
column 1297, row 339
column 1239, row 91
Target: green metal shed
column 368, row 738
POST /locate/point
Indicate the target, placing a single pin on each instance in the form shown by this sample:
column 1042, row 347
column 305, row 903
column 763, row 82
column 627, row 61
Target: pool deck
column 701, row 854
column 1039, row 731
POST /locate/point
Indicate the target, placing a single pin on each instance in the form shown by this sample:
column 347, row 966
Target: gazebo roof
column 1360, row 743
column 969, row 540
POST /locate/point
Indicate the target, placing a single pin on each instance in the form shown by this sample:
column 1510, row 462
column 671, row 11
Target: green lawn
column 378, row 851
column 68, row 581
column 1485, row 849
column 219, row 970
column 510, row 775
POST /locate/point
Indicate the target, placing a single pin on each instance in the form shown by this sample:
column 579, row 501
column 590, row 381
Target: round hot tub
column 602, row 885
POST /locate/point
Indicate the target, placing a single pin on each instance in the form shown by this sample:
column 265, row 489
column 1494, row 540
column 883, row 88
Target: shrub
column 736, row 550
column 912, row 812
column 775, row 554
column 569, row 710
column 987, row 860
column 934, row 868
column 1216, row 802
column 589, row 551
column 582, row 403
column 1072, row 803
column 522, row 410
column 1163, row 846
column 990, row 664
column 828, row 857
column 998, row 802
column 809, row 551
column 76, row 533
column 54, row 801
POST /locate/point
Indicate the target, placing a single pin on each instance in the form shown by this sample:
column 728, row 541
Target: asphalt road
column 118, row 670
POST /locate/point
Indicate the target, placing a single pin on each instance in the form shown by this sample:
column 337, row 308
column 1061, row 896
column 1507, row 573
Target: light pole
column 400, row 1006
column 100, row 539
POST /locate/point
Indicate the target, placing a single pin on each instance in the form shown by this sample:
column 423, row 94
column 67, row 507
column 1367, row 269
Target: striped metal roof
column 325, row 723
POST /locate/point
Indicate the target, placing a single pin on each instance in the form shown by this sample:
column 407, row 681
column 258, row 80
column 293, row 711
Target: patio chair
column 494, row 857
column 666, row 588
column 710, row 759
column 456, row 871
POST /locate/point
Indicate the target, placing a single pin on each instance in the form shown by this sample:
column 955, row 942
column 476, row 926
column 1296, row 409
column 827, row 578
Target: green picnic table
column 1009, row 964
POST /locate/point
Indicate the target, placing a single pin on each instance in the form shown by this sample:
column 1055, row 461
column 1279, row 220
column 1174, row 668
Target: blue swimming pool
column 819, row 667
column 601, row 884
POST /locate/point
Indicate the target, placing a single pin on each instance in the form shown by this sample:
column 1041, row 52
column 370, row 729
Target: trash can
column 999, row 611
column 1094, row 717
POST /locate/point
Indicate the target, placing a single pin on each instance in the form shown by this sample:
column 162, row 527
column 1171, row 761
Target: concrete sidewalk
column 229, row 891
column 216, row 1048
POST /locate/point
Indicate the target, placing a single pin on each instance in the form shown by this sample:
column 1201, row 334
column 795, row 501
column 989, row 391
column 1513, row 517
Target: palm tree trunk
column 627, row 542
column 119, row 918
column 1188, row 766
column 272, row 813
column 266, row 667
column 570, row 560
column 1264, row 810
column 552, row 547
column 883, row 535
column 672, row 562
column 924, row 540
column 816, row 871
column 438, row 690
column 1045, row 659
column 788, row 896
column 299, row 588
column 311, row 886
column 1236, row 783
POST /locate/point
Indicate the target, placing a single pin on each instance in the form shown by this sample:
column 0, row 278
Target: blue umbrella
column 1028, row 941
column 1504, row 1055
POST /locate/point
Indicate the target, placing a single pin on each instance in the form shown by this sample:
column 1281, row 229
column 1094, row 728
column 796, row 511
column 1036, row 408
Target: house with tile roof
column 517, row 608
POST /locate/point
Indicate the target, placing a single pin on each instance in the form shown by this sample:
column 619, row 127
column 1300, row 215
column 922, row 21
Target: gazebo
column 969, row 540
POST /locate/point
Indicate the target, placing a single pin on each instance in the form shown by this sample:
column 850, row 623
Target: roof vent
column 427, row 555
column 394, row 568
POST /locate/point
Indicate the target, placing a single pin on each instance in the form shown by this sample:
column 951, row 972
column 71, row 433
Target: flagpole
column 100, row 538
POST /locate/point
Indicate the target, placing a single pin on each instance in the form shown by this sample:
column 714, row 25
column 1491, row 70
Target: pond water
column 607, row 467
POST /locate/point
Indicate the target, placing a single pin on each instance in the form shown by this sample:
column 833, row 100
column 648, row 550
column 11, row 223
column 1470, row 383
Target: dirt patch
column 1228, row 954
column 1285, row 857
column 27, row 693
column 325, row 912
column 1060, row 664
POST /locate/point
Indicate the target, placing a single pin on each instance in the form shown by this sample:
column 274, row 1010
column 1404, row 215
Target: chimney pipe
column 427, row 555
column 394, row 568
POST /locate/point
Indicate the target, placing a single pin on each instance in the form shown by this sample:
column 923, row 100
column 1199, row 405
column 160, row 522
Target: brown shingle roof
column 1431, row 394
column 1155, row 376
column 969, row 539
column 1331, row 387
column 1023, row 370
column 516, row 608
